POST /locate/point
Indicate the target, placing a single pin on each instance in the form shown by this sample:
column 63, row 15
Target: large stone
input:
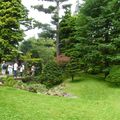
column 1, row 83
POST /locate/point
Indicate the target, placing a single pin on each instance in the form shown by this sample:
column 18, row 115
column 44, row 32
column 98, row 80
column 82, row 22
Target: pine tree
column 12, row 15
column 67, row 33
column 55, row 11
column 101, row 31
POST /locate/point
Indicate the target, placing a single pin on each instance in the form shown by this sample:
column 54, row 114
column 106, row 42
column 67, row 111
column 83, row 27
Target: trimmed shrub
column 114, row 75
column 52, row 74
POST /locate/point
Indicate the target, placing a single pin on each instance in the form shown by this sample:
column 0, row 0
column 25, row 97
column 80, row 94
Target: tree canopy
column 12, row 15
column 54, row 10
column 95, row 35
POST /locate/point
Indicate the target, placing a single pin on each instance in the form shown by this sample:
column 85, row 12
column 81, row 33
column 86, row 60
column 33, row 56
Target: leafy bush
column 9, row 81
column 114, row 75
column 52, row 74
column 37, row 79
column 27, row 79
column 37, row 88
column 94, row 69
column 21, row 85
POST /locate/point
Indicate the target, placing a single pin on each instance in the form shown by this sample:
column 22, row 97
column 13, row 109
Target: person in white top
column 22, row 67
column 15, row 68
column 10, row 69
column 32, row 70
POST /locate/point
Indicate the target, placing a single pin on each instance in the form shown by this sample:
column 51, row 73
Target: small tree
column 52, row 74
column 72, row 68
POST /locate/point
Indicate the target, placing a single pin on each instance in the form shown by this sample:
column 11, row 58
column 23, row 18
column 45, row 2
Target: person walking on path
column 10, row 69
column 32, row 70
column 22, row 67
column 15, row 68
column 4, row 68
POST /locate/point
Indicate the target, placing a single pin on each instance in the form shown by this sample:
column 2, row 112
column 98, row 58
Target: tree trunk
column 72, row 78
column 107, row 40
column 106, row 66
column 57, row 33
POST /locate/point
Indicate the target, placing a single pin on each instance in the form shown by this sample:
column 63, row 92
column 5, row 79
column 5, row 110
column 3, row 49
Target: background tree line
column 92, row 37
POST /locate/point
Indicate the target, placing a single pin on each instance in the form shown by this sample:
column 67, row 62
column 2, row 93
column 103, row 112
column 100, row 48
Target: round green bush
column 114, row 75
column 52, row 74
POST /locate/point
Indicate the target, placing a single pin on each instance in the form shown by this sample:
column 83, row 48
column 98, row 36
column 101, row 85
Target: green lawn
column 96, row 101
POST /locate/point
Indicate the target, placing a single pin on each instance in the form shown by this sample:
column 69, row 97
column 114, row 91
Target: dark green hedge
column 114, row 75
column 52, row 74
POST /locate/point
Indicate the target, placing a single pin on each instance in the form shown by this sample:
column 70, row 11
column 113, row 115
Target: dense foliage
column 52, row 74
column 95, row 36
column 114, row 76
column 12, row 14
column 38, row 48
column 37, row 62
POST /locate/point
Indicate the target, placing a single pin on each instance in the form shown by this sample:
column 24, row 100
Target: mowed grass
column 96, row 100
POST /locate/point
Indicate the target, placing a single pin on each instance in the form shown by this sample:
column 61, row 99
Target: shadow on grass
column 113, row 85
column 87, row 77
column 76, row 80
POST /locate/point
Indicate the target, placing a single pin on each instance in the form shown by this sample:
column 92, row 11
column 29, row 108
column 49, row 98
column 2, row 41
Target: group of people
column 12, row 69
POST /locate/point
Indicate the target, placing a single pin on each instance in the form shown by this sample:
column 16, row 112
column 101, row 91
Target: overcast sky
column 44, row 18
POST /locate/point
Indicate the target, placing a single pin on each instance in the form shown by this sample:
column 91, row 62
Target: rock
column 1, row 83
